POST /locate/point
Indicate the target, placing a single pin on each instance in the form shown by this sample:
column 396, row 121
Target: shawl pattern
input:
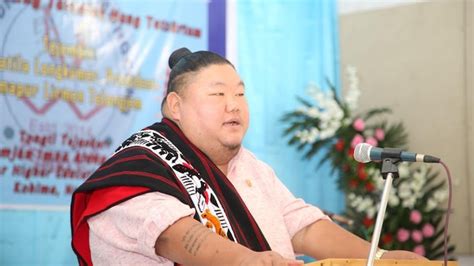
column 160, row 158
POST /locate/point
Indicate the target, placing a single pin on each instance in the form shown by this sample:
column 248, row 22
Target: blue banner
column 78, row 77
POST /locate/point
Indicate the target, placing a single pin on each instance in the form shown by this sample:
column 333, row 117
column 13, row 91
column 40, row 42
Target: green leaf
column 316, row 147
column 376, row 111
column 304, row 102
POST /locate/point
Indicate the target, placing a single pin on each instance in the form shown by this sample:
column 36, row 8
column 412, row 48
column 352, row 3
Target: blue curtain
column 282, row 47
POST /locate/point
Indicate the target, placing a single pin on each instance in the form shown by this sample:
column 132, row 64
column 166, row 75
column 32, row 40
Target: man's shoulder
column 246, row 155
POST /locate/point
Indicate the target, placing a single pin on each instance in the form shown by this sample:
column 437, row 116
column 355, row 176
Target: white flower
column 354, row 92
column 326, row 134
column 431, row 204
column 362, row 204
column 346, row 121
column 440, row 195
column 404, row 190
column 312, row 112
column 416, row 185
column 335, row 124
column 371, row 211
column 379, row 182
column 403, row 170
column 418, row 175
column 298, row 133
column 409, row 202
column 393, row 200
column 326, row 110
column 351, row 196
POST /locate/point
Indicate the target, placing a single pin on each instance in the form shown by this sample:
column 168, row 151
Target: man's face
column 214, row 111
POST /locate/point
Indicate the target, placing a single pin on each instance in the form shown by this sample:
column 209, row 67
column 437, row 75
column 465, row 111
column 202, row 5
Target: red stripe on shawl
column 137, row 173
column 88, row 204
column 132, row 158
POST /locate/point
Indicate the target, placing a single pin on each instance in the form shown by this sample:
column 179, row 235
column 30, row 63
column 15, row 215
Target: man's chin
column 233, row 146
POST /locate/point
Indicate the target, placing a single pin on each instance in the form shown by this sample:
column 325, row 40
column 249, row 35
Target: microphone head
column 362, row 153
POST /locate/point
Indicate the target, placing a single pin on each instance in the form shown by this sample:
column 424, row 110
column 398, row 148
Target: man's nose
column 232, row 104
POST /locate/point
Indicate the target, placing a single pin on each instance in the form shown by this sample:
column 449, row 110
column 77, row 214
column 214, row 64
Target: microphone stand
column 389, row 171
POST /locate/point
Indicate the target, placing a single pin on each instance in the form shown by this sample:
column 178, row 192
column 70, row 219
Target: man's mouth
column 233, row 122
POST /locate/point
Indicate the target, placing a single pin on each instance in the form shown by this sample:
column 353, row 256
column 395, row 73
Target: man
column 185, row 191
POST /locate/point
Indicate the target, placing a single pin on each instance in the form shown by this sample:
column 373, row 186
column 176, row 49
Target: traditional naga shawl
column 160, row 158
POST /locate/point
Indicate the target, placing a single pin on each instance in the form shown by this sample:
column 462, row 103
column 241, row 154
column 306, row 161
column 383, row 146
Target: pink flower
column 371, row 141
column 356, row 140
column 359, row 124
column 403, row 235
column 379, row 134
column 420, row 250
column 415, row 216
column 428, row 230
column 417, row 236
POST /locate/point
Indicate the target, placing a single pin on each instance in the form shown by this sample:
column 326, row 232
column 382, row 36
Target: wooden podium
column 363, row 262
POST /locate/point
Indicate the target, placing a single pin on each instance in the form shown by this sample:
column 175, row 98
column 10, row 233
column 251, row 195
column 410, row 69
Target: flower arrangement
column 327, row 123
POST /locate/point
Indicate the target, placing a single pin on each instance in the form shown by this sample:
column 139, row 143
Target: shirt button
column 248, row 182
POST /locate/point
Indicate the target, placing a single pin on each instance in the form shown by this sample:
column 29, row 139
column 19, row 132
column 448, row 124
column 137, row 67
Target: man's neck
column 221, row 157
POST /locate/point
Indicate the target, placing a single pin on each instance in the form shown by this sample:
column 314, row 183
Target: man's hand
column 325, row 239
column 269, row 258
column 402, row 255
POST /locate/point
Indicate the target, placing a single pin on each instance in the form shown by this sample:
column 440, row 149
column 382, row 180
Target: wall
column 469, row 15
column 417, row 59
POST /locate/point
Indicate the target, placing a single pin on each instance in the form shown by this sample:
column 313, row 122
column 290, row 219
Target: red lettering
column 69, row 173
column 5, row 152
column 68, row 189
column 80, row 143
column 59, row 5
column 116, row 16
column 34, row 3
column 172, row 26
column 90, row 158
column 41, row 140
column 149, row 20
column 28, row 172
column 37, row 188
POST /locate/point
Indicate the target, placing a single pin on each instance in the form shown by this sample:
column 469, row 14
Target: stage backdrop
column 76, row 78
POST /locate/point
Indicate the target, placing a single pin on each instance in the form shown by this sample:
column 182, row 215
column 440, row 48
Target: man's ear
column 173, row 104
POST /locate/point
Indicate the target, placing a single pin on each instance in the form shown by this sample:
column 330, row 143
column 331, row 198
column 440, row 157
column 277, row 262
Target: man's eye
column 240, row 94
column 217, row 94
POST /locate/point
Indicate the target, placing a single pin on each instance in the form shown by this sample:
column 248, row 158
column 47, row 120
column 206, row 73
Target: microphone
column 365, row 153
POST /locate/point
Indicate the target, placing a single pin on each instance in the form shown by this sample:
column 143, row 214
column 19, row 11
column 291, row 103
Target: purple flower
column 359, row 124
column 415, row 216
column 428, row 230
column 403, row 235
column 356, row 140
column 420, row 250
column 379, row 134
column 417, row 236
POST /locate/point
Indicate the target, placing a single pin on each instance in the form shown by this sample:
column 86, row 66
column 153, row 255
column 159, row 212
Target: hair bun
column 177, row 55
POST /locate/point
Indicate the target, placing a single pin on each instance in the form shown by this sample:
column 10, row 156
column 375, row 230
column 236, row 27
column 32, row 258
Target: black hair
column 182, row 62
